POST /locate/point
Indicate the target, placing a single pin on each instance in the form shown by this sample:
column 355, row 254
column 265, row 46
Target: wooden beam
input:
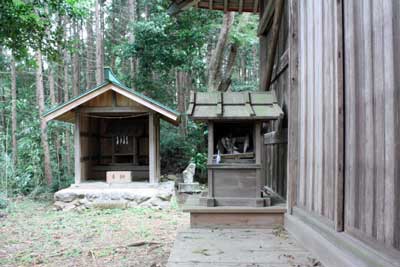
column 240, row 6
column 258, row 145
column 77, row 148
column 175, row 8
column 339, row 162
column 293, row 107
column 279, row 6
column 76, row 103
column 255, row 7
column 130, row 109
column 210, row 4
column 157, row 133
column 158, row 109
column 265, row 21
column 210, row 158
column 220, row 104
column 153, row 149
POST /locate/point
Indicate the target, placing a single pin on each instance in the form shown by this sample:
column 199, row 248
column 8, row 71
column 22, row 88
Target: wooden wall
column 88, row 145
column 318, row 108
column 345, row 75
column 274, row 161
column 274, row 155
column 372, row 104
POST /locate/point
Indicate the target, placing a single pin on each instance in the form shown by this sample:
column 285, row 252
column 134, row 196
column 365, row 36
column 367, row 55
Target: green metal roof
column 110, row 78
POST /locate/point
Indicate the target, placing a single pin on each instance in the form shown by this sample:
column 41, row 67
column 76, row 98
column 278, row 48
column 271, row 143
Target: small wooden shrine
column 117, row 129
column 234, row 122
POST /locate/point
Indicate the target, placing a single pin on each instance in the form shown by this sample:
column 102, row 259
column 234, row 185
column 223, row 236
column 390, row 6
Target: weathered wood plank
column 339, row 119
column 293, row 99
column 77, row 148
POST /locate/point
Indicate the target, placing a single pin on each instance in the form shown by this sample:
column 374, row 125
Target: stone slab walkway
column 238, row 248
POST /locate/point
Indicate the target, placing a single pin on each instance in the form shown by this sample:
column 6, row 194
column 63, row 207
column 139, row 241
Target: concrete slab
column 238, row 248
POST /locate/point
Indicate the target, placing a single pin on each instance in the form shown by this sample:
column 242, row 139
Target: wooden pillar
column 339, row 148
column 210, row 158
column 157, row 143
column 293, row 107
column 258, row 150
column 77, row 147
column 154, row 148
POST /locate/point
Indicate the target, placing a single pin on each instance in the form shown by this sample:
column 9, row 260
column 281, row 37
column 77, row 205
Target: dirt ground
column 33, row 234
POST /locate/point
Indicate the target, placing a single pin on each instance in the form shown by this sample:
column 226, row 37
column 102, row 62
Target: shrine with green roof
column 117, row 132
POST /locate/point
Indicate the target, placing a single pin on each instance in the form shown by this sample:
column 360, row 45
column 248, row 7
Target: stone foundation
column 102, row 195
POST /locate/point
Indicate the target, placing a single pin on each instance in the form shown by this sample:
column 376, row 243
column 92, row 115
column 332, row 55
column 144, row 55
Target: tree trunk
column 52, row 94
column 67, row 131
column 183, row 85
column 132, row 21
column 214, row 69
column 226, row 80
column 90, row 59
column 53, row 100
column 62, row 24
column 14, row 111
column 75, row 61
column 99, row 42
column 43, row 126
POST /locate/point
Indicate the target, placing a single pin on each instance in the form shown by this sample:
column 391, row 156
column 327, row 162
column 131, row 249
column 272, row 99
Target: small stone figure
column 188, row 173
column 188, row 185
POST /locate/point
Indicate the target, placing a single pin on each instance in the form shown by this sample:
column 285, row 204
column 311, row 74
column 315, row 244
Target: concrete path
column 238, row 248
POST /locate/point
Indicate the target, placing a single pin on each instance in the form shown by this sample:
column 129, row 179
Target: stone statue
column 188, row 185
column 188, row 173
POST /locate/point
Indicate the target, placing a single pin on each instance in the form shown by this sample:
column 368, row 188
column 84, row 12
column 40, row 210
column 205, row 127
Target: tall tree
column 14, row 111
column 66, row 98
column 99, row 42
column 43, row 125
column 90, row 59
column 183, row 85
column 53, row 101
column 132, row 21
column 75, row 60
column 217, row 57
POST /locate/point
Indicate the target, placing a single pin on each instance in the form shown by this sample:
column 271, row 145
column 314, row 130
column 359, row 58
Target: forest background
column 52, row 50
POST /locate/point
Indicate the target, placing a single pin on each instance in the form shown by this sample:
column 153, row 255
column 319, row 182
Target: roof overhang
column 64, row 111
column 178, row 6
column 239, row 106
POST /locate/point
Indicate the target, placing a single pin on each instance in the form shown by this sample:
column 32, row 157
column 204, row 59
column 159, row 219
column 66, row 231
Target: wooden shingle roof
column 223, row 5
column 234, row 106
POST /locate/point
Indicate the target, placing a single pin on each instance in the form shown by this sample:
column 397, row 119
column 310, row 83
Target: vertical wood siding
column 372, row 133
column 274, row 166
column 318, row 107
column 275, row 155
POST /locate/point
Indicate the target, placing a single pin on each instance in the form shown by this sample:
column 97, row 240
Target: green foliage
column 28, row 24
column 177, row 150
column 164, row 43
column 3, row 202
column 200, row 159
column 27, row 176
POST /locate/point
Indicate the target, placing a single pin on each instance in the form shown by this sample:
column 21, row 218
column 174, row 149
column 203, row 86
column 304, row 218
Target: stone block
column 189, row 187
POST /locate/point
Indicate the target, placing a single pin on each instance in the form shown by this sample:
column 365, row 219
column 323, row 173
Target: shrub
column 177, row 150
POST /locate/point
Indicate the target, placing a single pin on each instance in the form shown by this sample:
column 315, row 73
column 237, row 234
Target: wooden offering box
column 234, row 122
